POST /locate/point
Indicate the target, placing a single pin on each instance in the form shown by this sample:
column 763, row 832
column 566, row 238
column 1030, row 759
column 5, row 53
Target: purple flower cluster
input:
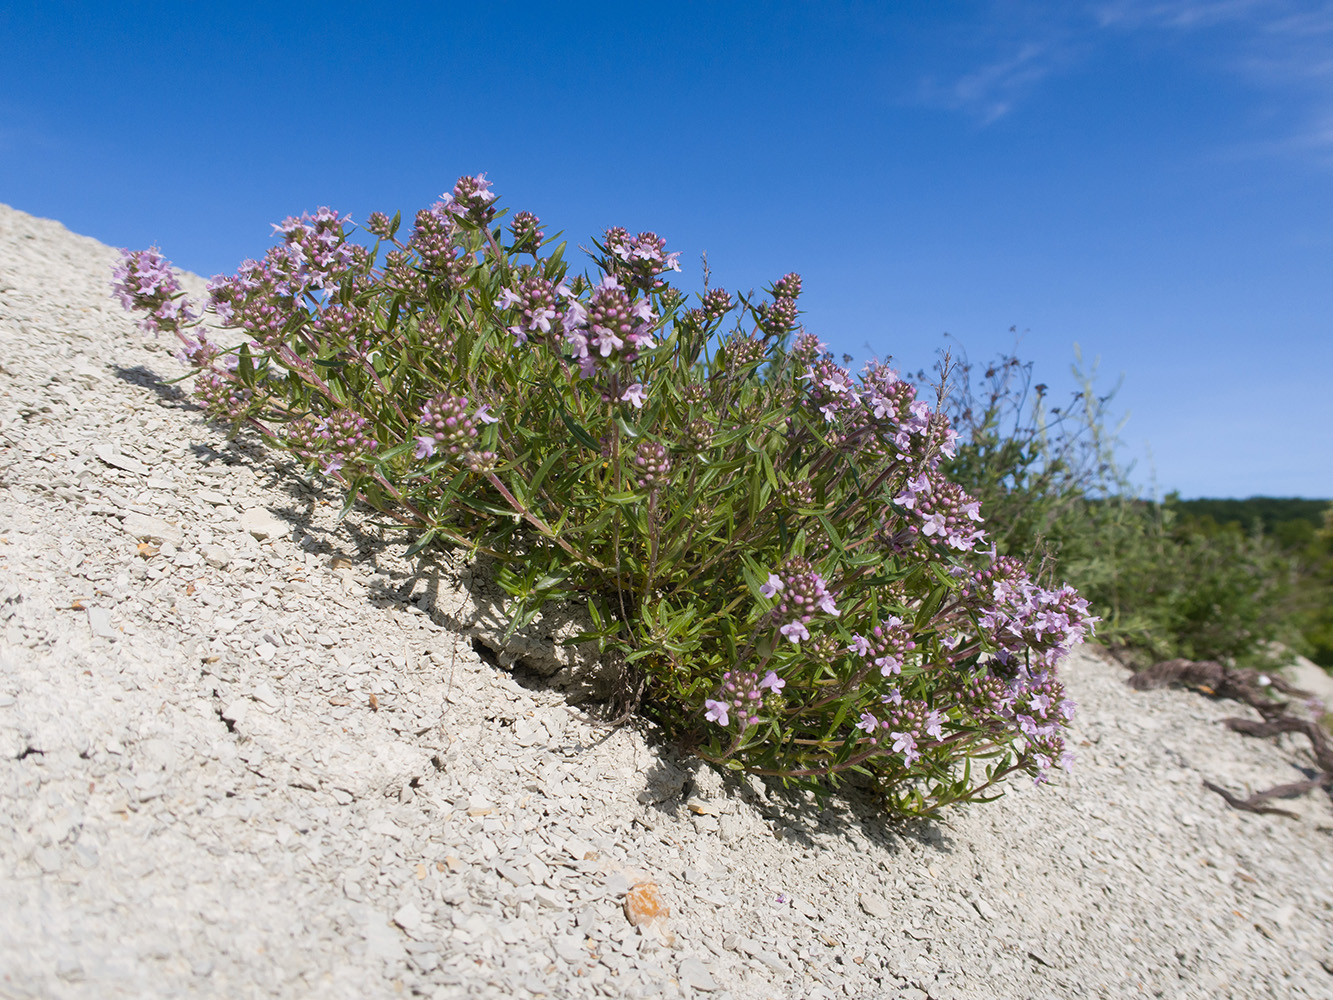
column 778, row 317
column 743, row 693
column 613, row 328
column 803, row 592
column 222, row 397
column 879, row 415
column 337, row 441
column 450, row 429
column 743, row 351
column 1022, row 616
column 262, row 296
column 639, row 260
column 652, row 466
column 340, row 323
column 379, row 225
column 942, row 511
column 144, row 281
column 433, row 239
column 797, row 493
column 699, row 434
column 537, row 301
column 904, row 724
column 788, row 287
column 886, row 647
column 716, row 304
column 1033, row 703
column 470, row 199
column 402, row 277
column 316, row 247
column 197, row 351
column 832, row 390
column 434, row 335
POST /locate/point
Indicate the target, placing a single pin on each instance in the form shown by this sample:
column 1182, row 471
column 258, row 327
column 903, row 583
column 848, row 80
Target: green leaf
column 420, row 543
column 580, row 435
column 942, row 574
column 929, row 606
column 751, row 571
column 831, row 531
column 550, row 580
column 395, row 451
column 348, row 503
column 551, row 461
column 769, row 472
column 246, row 366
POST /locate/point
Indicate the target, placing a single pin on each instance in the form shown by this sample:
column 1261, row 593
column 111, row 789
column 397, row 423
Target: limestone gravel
column 247, row 751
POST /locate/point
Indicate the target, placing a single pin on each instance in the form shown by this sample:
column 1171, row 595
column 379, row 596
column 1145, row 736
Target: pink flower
column 935, row 725
column 795, row 631
column 717, row 712
column 634, row 394
column 905, row 744
column 773, row 682
column 773, row 585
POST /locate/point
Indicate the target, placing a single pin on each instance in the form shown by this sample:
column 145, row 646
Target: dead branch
column 1218, row 681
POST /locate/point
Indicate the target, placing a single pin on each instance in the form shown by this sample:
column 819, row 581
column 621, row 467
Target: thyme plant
column 765, row 539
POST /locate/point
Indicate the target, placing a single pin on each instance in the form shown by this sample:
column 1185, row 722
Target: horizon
column 1149, row 181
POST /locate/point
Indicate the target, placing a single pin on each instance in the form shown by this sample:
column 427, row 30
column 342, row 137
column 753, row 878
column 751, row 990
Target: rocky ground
column 246, row 751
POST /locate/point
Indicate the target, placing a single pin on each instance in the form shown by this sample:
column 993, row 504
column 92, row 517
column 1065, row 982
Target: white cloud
column 1281, row 49
column 1177, row 13
column 992, row 90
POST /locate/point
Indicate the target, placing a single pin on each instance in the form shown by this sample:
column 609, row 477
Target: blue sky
column 1149, row 179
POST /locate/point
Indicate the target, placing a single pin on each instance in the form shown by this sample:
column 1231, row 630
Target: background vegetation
column 1208, row 579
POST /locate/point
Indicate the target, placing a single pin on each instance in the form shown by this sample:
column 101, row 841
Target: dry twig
column 1220, row 681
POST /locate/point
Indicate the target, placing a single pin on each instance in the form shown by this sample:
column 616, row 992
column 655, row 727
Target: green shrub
column 767, row 543
column 1164, row 585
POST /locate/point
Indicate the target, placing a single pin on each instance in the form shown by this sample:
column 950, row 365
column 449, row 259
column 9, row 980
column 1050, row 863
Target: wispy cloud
column 991, row 91
column 1012, row 51
column 1281, row 49
column 1177, row 13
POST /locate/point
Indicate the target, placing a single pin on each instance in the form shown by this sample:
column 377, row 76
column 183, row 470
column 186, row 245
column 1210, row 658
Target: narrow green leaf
column 421, row 542
column 580, row 435
column 246, row 365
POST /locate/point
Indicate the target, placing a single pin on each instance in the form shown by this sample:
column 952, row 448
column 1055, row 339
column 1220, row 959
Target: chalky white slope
column 199, row 796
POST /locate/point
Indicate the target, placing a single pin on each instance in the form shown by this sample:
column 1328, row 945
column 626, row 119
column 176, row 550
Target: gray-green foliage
column 1165, row 586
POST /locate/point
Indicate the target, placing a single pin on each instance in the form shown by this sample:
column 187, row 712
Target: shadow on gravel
column 669, row 784
column 146, row 378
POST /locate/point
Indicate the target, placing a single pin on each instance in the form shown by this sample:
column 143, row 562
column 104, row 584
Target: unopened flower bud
column 716, row 304
column 526, row 232
column 379, row 225
column 788, row 287
column 651, row 465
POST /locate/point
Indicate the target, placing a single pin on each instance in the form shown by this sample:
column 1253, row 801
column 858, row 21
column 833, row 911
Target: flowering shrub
column 767, row 540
